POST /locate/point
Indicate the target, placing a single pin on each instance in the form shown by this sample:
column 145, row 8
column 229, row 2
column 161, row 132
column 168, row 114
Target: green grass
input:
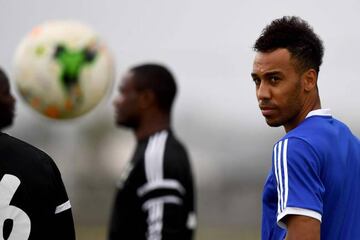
column 203, row 233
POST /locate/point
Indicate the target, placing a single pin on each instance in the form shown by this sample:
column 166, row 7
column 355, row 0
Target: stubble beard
column 292, row 110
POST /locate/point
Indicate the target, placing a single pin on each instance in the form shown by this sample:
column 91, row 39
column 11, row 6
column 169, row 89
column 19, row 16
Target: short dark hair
column 158, row 79
column 295, row 35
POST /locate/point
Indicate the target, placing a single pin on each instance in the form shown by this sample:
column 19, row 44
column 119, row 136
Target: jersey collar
column 320, row 112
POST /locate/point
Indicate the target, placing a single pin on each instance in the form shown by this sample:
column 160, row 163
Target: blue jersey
column 315, row 173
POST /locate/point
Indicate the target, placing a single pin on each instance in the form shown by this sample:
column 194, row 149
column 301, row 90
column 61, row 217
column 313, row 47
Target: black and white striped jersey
column 155, row 199
column 33, row 200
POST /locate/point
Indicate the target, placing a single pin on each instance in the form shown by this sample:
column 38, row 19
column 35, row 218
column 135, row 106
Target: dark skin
column 138, row 109
column 286, row 95
column 302, row 228
column 7, row 103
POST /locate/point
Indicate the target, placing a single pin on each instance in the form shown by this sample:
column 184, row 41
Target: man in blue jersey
column 312, row 191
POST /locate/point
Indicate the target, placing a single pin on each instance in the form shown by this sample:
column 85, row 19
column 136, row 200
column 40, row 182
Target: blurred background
column 208, row 47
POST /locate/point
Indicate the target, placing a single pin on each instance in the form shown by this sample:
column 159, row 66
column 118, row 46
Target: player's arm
column 296, row 167
column 302, row 227
column 164, row 195
column 63, row 227
column 165, row 210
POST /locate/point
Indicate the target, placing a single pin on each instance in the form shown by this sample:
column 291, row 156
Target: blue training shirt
column 315, row 173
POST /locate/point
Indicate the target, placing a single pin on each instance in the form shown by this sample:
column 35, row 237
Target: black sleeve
column 165, row 202
column 64, row 223
column 165, row 215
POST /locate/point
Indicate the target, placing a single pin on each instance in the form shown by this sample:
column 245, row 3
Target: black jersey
column 155, row 199
column 33, row 201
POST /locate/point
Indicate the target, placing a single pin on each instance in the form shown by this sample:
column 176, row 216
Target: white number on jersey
column 21, row 221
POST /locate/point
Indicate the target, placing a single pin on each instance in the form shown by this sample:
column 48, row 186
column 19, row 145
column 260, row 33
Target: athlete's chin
column 126, row 123
column 5, row 123
column 119, row 121
column 273, row 122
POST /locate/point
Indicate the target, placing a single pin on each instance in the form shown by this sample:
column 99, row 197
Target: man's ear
column 310, row 79
column 147, row 99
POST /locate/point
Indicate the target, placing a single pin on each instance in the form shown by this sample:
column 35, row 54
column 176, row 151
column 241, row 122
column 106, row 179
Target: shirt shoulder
column 321, row 133
column 18, row 157
column 176, row 159
column 15, row 146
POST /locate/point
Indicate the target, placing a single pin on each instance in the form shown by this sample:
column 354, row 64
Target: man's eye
column 256, row 81
column 274, row 79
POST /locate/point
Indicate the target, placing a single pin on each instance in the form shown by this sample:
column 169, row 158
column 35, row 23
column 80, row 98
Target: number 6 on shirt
column 21, row 221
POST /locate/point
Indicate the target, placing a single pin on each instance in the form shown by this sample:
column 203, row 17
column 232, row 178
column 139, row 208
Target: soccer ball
column 62, row 69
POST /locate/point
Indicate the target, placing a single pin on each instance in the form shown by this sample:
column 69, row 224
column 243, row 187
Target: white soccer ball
column 62, row 69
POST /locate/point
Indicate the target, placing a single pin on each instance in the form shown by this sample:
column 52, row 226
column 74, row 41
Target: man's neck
column 152, row 125
column 308, row 107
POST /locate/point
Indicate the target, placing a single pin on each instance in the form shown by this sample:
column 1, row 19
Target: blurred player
column 312, row 191
column 155, row 199
column 33, row 201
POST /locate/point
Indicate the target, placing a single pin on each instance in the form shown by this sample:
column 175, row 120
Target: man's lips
column 267, row 111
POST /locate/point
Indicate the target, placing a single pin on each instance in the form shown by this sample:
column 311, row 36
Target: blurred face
column 127, row 105
column 7, row 104
column 279, row 88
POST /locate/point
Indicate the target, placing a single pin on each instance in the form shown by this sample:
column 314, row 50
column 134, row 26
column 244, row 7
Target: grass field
column 99, row 233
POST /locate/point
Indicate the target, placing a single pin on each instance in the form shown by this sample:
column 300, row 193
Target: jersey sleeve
column 296, row 167
column 64, row 223
column 164, row 194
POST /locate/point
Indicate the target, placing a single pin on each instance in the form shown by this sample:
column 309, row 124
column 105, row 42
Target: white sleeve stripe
column 191, row 222
column 155, row 171
column 63, row 207
column 154, row 156
column 281, row 200
column 165, row 199
column 286, row 181
column 148, row 153
column 159, row 170
column 155, row 221
column 297, row 211
column 166, row 183
column 276, row 175
column 281, row 173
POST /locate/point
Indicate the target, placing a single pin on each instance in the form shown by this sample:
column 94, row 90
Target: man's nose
column 263, row 91
column 115, row 102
